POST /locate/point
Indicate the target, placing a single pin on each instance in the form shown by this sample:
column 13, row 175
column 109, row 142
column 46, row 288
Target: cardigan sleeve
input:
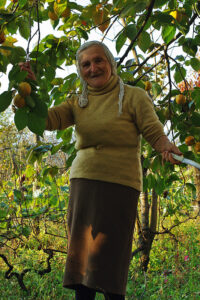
column 145, row 117
column 60, row 116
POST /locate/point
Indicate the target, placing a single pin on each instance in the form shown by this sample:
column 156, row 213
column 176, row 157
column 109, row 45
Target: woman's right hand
column 26, row 66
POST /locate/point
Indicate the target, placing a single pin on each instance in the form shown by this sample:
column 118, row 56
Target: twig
column 160, row 46
column 137, row 251
column 166, row 230
column 138, row 79
column 38, row 22
column 48, row 269
column 20, row 276
column 110, row 26
column 170, row 86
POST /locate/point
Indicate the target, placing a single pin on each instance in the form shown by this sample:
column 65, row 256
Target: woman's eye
column 85, row 65
column 98, row 60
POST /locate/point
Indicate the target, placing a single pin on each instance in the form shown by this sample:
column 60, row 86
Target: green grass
column 174, row 272
column 174, row 269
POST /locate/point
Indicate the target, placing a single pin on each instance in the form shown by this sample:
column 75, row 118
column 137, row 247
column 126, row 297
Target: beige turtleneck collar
column 107, row 87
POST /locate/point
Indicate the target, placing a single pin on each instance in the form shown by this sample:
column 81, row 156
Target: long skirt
column 101, row 218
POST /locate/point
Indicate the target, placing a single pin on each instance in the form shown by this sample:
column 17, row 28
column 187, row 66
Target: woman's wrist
column 162, row 144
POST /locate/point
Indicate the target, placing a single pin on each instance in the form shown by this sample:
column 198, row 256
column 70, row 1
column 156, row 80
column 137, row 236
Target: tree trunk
column 36, row 222
column 146, row 231
column 197, row 183
column 154, row 212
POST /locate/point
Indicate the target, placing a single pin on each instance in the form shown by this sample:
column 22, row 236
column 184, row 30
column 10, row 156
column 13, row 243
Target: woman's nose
column 93, row 67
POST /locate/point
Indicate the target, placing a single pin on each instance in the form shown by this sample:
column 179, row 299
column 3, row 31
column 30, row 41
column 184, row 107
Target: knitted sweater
column 108, row 144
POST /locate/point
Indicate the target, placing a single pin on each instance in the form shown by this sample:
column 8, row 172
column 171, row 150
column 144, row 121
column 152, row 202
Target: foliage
column 34, row 194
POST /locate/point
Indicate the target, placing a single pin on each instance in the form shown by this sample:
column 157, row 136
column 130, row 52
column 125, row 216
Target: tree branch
column 150, row 8
column 20, row 276
column 9, row 274
column 160, row 46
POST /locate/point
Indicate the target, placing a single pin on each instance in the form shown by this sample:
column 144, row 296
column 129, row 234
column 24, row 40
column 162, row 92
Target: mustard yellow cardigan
column 108, row 144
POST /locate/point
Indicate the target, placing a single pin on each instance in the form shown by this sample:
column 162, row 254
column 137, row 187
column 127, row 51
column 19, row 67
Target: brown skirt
column 101, row 218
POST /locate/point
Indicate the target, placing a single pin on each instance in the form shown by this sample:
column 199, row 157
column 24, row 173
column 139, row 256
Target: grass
column 174, row 272
column 174, row 269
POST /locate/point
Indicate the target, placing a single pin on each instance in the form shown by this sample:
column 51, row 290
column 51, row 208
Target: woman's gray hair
column 83, row 99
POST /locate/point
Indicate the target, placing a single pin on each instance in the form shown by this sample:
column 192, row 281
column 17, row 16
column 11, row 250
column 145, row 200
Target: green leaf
column 190, row 47
column 160, row 3
column 3, row 3
column 145, row 184
column 172, row 178
column 120, row 42
column 70, row 160
column 151, row 181
column 56, row 148
column 53, row 201
column 115, row 3
column 36, row 124
column 5, row 100
column 156, row 89
column 195, row 118
column 57, row 81
column 6, row 16
column 16, row 75
column 53, row 171
column 22, row 2
column 3, row 213
column 191, row 186
column 183, row 148
column 82, row 33
column 21, row 118
column 195, row 63
column 65, row 135
column 172, row 4
column 19, row 51
column 69, row 148
column 130, row 31
column 40, row 108
column 26, row 231
column 196, row 97
column 140, row 5
column 180, row 58
column 128, row 10
column 161, row 19
column 17, row 195
column 144, row 41
column 179, row 74
column 155, row 165
column 24, row 29
column 126, row 76
column 50, row 73
column 168, row 32
column 160, row 186
column 12, row 27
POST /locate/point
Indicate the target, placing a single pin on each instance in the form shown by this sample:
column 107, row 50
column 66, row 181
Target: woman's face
column 94, row 66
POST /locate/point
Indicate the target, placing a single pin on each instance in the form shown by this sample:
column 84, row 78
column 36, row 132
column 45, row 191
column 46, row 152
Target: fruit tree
column 156, row 44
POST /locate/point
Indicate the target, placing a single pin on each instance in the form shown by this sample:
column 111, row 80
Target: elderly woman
column 106, row 178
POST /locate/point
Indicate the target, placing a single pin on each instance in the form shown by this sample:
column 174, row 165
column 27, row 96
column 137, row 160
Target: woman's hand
column 26, row 66
column 164, row 146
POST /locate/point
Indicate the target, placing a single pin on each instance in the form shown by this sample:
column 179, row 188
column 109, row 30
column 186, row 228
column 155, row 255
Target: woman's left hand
column 167, row 156
column 164, row 146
